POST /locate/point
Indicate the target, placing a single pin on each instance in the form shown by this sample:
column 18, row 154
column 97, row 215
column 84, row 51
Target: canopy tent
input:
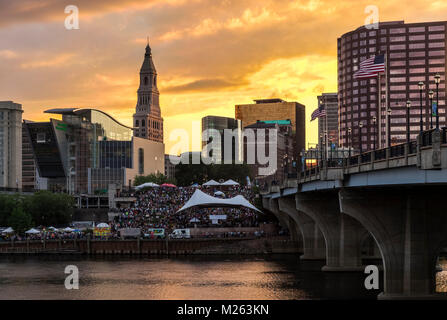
column 229, row 182
column 102, row 225
column 203, row 200
column 193, row 220
column 195, row 185
column 8, row 230
column 32, row 231
column 146, row 185
column 53, row 229
column 168, row 185
column 68, row 229
column 211, row 183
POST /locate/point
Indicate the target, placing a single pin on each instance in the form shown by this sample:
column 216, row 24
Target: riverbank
column 199, row 246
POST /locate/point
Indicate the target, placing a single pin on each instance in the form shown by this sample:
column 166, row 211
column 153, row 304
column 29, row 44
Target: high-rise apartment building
column 415, row 52
column 10, row 145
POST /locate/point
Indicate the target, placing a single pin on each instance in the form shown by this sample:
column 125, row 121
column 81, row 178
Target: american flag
column 319, row 112
column 371, row 67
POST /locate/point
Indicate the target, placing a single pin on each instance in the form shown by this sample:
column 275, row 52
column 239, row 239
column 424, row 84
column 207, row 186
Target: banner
column 218, row 217
column 434, row 109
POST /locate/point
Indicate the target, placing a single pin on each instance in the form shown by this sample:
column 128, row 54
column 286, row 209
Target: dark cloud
column 202, row 85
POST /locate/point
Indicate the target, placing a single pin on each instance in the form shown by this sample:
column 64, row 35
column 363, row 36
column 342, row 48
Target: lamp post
column 321, row 147
column 389, row 127
column 408, row 120
column 437, row 81
column 374, row 132
column 360, row 136
column 349, row 141
column 421, row 87
column 430, row 95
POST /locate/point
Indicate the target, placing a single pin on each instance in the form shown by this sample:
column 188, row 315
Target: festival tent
column 102, row 225
column 68, row 229
column 193, row 220
column 203, row 200
column 8, row 230
column 211, row 183
column 146, row 184
column 230, row 183
column 32, row 231
column 53, row 229
column 169, row 185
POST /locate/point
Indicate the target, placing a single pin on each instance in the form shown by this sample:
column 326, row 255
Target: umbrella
column 8, row 230
column 68, row 229
column 195, row 185
column 168, row 185
column 219, row 193
column 102, row 225
column 32, row 231
column 53, row 229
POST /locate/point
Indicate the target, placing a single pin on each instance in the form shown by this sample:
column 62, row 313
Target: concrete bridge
column 396, row 196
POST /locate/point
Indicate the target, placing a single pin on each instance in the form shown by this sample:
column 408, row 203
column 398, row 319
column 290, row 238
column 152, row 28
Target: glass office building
column 88, row 148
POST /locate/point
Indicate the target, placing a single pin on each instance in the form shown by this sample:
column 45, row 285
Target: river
column 193, row 277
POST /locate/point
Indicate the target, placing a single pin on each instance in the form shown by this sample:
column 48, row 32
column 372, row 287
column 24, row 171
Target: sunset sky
column 209, row 54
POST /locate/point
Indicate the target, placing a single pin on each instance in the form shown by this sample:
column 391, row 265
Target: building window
column 143, row 123
column 140, row 161
column 40, row 137
column 136, row 123
column 145, row 81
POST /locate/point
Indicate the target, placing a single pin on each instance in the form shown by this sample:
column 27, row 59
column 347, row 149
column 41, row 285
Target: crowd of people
column 157, row 208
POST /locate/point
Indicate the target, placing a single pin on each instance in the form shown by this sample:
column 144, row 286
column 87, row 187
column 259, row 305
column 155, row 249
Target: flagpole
column 379, row 108
column 327, row 135
column 388, row 133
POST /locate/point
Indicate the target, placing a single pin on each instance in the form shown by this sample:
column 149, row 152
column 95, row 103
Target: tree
column 157, row 178
column 7, row 204
column 47, row 208
column 20, row 220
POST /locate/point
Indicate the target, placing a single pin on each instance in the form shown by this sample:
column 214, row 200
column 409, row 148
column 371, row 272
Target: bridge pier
column 313, row 241
column 343, row 234
column 409, row 227
column 285, row 220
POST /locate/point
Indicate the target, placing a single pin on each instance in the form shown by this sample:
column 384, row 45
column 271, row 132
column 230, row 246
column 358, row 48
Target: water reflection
column 196, row 277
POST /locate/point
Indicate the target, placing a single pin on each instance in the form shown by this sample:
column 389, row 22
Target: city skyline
column 96, row 65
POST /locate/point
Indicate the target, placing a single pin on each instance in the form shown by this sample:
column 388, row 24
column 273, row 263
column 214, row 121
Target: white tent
column 52, row 229
column 201, row 199
column 32, row 231
column 145, row 185
column 102, row 225
column 68, row 229
column 193, row 220
column 8, row 230
column 211, row 183
column 230, row 183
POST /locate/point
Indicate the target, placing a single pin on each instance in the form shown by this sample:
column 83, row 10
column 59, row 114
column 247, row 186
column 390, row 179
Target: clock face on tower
column 147, row 118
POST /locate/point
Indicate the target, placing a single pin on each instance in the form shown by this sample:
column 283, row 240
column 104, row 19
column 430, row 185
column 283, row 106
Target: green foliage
column 49, row 208
column 158, row 178
column 20, row 220
column 7, row 203
column 42, row 208
column 187, row 174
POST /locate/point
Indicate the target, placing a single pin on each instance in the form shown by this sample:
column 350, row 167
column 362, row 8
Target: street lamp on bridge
column 360, row 136
column 408, row 120
column 389, row 127
column 437, row 81
column 430, row 95
column 349, row 141
column 374, row 132
column 421, row 87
